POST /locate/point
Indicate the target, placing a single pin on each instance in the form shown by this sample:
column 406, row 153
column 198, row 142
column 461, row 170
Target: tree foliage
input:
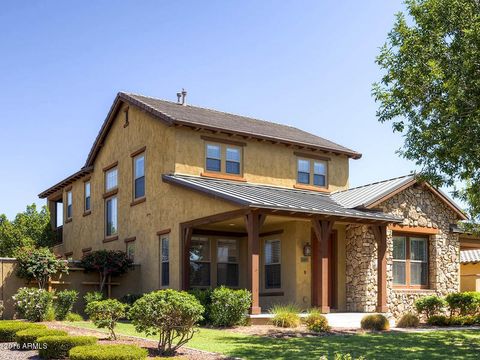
column 430, row 90
column 38, row 264
column 106, row 313
column 106, row 263
column 31, row 227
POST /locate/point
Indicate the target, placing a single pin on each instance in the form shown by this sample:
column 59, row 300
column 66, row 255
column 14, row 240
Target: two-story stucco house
column 201, row 198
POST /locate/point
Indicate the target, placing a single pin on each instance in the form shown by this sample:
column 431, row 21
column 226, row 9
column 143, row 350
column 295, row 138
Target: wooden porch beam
column 186, row 234
column 321, row 263
column 380, row 233
column 253, row 222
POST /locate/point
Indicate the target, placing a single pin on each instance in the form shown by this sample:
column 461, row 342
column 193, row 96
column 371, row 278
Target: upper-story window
column 312, row 172
column 111, row 179
column 139, row 176
column 69, row 204
column 87, row 189
column 223, row 158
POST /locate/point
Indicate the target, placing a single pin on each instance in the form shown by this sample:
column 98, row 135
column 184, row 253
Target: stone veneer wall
column 419, row 207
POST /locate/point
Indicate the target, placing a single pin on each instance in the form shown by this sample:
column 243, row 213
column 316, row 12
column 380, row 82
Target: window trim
column 69, row 213
column 407, row 260
column 264, row 265
column 135, row 155
column 164, row 237
column 85, row 210
column 115, row 235
column 223, row 145
column 311, row 177
column 237, row 262
column 105, row 173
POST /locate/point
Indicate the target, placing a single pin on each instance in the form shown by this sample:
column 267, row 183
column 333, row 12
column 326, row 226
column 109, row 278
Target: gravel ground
column 6, row 352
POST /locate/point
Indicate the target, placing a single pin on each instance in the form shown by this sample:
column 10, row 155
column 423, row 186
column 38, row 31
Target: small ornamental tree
column 39, row 265
column 168, row 313
column 106, row 313
column 106, row 263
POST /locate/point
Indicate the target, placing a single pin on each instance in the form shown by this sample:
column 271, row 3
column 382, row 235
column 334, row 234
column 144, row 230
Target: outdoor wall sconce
column 307, row 249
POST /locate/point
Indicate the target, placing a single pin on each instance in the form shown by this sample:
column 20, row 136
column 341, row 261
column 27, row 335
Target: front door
column 332, row 284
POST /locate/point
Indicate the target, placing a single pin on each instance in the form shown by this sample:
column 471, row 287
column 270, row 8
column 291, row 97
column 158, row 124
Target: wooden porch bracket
column 186, row 234
column 253, row 223
column 321, row 263
column 380, row 233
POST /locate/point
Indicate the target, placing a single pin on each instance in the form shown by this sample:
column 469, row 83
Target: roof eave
column 65, row 182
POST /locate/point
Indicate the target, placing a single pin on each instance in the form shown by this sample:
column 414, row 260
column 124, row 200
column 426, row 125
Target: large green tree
column 29, row 228
column 430, row 91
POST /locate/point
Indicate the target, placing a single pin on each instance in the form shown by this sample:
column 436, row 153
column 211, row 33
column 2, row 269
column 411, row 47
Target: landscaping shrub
column 50, row 315
column 168, row 313
column 229, row 307
column 285, row 316
column 64, row 302
column 106, row 313
column 204, row 296
column 93, row 296
column 107, row 352
column 129, row 299
column 71, row 316
column 29, row 336
column 430, row 305
column 463, row 303
column 57, row 347
column 8, row 329
column 32, row 304
column 438, row 320
column 375, row 322
column 316, row 322
column 408, row 320
column 463, row 320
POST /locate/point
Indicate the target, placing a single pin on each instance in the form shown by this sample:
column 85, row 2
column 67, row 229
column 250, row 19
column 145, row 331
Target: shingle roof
column 363, row 196
column 271, row 197
column 213, row 119
column 470, row 256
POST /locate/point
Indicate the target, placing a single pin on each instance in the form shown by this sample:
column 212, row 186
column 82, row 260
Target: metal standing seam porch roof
column 275, row 198
column 470, row 256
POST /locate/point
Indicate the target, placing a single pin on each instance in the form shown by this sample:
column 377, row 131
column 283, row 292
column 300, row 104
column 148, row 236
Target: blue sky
column 304, row 63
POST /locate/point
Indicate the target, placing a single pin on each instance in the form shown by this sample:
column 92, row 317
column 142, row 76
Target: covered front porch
column 281, row 256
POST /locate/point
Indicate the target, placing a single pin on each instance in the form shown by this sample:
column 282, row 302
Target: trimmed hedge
column 8, row 329
column 30, row 336
column 375, row 322
column 107, row 352
column 430, row 305
column 463, row 303
column 57, row 347
column 229, row 307
column 438, row 320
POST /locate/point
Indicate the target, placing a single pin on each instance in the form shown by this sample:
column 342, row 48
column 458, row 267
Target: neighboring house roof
column 370, row 195
column 274, row 198
column 470, row 256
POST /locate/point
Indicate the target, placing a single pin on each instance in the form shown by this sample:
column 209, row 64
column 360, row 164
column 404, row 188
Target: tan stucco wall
column 263, row 162
column 470, row 277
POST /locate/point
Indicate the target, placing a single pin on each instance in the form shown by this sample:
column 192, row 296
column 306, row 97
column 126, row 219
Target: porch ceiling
column 278, row 200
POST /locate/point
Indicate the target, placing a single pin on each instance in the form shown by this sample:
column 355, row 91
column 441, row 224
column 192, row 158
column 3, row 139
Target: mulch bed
column 150, row 345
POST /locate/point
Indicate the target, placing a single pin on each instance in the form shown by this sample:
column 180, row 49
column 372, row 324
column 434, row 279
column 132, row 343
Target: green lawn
column 433, row 345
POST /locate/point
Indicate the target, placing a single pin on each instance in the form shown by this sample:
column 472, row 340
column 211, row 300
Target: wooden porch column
column 380, row 233
column 186, row 233
column 254, row 222
column 321, row 264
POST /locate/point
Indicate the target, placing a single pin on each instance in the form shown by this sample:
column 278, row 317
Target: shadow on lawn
column 438, row 345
